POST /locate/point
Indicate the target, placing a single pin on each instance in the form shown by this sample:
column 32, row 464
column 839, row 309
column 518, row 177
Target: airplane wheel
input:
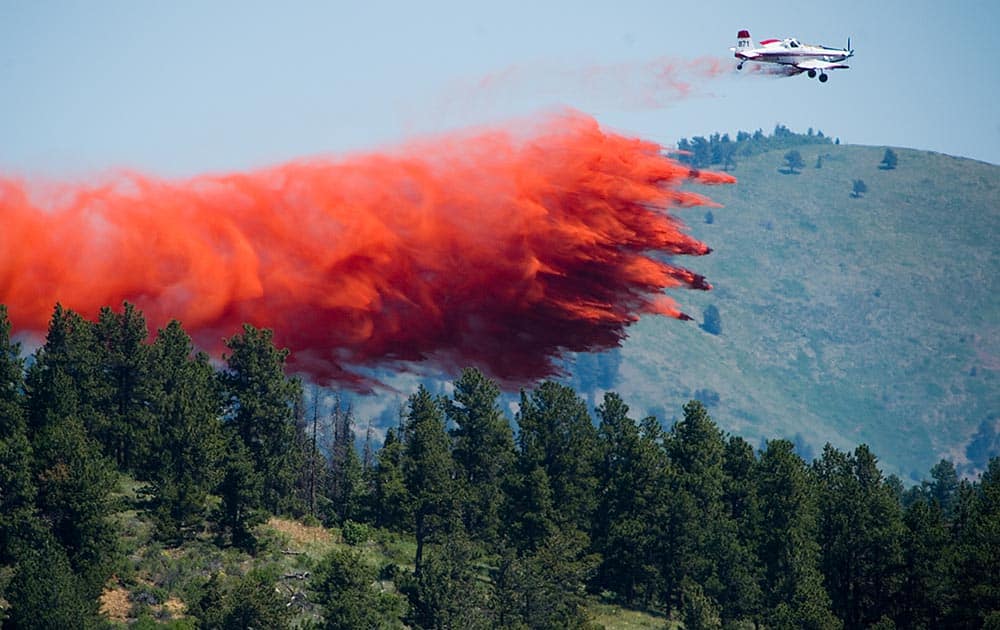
column 812, row 74
column 739, row 66
column 823, row 78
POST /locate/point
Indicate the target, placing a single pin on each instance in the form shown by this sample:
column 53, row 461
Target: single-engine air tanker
column 792, row 54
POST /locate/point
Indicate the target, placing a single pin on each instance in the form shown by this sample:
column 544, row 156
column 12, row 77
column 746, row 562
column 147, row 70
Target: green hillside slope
column 873, row 319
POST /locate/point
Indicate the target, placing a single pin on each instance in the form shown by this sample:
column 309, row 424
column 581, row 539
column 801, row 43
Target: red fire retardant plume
column 500, row 249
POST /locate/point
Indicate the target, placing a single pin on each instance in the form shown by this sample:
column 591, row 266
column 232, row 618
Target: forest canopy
column 514, row 522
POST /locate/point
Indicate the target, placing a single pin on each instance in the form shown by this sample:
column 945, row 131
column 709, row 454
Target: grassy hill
column 845, row 320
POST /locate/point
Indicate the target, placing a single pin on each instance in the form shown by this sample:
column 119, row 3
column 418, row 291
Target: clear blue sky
column 182, row 87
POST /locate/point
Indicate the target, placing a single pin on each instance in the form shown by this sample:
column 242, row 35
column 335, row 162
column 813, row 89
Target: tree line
column 719, row 149
column 516, row 521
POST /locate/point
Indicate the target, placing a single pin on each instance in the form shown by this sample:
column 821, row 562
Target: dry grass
column 175, row 607
column 115, row 604
column 613, row 617
column 301, row 537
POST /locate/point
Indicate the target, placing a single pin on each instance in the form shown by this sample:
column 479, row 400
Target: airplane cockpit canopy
column 793, row 43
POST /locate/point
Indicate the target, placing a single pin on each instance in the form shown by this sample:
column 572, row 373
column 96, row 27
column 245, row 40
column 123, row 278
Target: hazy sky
column 178, row 88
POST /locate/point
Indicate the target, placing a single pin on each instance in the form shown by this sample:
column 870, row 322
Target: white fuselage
column 791, row 52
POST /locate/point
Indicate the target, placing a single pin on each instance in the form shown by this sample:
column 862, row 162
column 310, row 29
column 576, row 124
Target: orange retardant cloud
column 501, row 249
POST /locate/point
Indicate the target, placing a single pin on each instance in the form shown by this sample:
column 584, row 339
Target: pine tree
column 449, row 592
column 741, row 570
column 74, row 479
column 44, row 592
column 793, row 584
column 241, row 489
column 428, row 470
column 699, row 611
column 19, row 522
column 533, row 518
column 17, row 487
column 255, row 602
column 185, row 462
column 344, row 586
column 544, row 587
column 701, row 153
column 11, row 376
column 698, row 519
column 728, row 154
column 313, row 478
column 858, row 188
column 65, row 377
column 557, row 436
column 483, row 452
column 391, row 501
column 944, row 486
column 976, row 530
column 633, row 476
column 368, row 451
column 346, row 477
column 260, row 402
column 75, row 482
column 861, row 528
column 127, row 430
column 928, row 558
column 889, row 160
column 793, row 160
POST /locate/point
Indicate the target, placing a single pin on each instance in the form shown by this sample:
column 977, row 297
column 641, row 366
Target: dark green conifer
column 17, row 485
column 391, row 501
column 860, row 524
column 793, row 583
column 260, row 402
column 65, row 378
column 449, row 592
column 928, row 560
column 943, row 486
column 44, row 591
column 256, row 602
column 73, row 478
column 976, row 529
column 483, row 451
column 428, row 471
column 347, row 488
column 698, row 518
column 127, row 430
column 241, row 489
column 544, row 587
column 557, row 436
column 629, row 521
column 185, row 463
column 345, row 587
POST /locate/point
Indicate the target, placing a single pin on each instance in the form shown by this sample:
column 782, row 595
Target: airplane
column 793, row 55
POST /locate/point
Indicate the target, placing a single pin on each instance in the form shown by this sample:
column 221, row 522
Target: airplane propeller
column 850, row 51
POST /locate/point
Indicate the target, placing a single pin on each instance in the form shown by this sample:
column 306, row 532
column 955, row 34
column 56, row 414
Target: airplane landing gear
column 739, row 66
column 812, row 74
column 823, row 78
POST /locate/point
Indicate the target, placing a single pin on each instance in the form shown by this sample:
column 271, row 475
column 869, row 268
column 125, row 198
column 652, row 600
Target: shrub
column 355, row 533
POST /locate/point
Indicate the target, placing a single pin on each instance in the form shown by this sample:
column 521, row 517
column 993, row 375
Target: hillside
column 849, row 320
column 144, row 484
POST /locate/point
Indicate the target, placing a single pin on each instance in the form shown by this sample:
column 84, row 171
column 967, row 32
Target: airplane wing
column 816, row 64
